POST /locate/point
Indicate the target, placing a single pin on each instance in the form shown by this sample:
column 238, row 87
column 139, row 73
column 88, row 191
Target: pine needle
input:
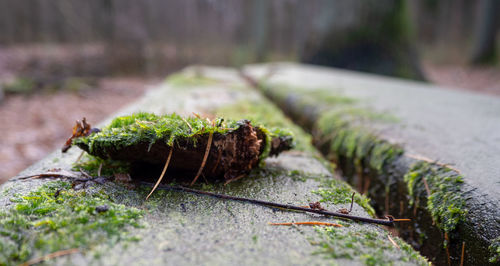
column 99, row 170
column 51, row 256
column 393, row 242
column 189, row 125
column 162, row 173
column 308, row 223
column 207, row 151
column 463, row 254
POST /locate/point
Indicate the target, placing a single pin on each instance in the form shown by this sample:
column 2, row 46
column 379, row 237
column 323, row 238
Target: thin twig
column 162, row 172
column 308, row 223
column 55, row 174
column 207, row 151
column 352, row 201
column 51, row 256
column 389, row 221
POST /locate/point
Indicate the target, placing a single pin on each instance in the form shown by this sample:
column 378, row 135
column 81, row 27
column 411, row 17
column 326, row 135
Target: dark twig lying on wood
column 78, row 182
column 57, row 174
column 389, row 222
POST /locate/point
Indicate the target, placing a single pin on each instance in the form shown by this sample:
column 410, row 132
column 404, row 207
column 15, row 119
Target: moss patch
column 170, row 129
column 369, row 246
column 495, row 250
column 354, row 142
column 445, row 201
column 309, row 96
column 55, row 217
column 150, row 128
column 109, row 167
column 335, row 119
column 183, row 80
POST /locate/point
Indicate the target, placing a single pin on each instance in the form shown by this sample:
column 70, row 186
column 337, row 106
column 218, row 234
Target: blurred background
column 64, row 59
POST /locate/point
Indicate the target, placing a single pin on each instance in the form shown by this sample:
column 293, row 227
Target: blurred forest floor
column 481, row 79
column 35, row 123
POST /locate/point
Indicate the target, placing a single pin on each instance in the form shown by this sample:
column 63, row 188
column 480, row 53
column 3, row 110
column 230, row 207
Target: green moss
column 55, row 217
column 355, row 142
column 325, row 99
column 338, row 192
column 183, row 80
column 109, row 167
column 307, row 100
column 369, row 246
column 365, row 114
column 495, row 250
column 21, row 85
column 338, row 122
column 149, row 128
column 445, row 202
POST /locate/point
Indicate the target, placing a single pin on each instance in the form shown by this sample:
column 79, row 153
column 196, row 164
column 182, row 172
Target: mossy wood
column 144, row 140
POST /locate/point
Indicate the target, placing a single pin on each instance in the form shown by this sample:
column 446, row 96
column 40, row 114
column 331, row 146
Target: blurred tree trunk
column 380, row 40
column 486, row 30
column 260, row 21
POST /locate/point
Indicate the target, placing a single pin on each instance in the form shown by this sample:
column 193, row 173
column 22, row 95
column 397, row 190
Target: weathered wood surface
column 455, row 133
column 181, row 228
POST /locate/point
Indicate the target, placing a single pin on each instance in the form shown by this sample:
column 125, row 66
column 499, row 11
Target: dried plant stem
column 162, row 173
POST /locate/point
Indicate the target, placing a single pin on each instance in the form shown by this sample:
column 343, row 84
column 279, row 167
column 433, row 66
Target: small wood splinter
column 308, row 223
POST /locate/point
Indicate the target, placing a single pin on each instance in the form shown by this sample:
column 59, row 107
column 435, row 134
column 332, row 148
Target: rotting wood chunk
column 144, row 140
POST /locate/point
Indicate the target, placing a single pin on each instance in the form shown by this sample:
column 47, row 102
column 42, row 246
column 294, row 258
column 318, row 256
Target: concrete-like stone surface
column 182, row 228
